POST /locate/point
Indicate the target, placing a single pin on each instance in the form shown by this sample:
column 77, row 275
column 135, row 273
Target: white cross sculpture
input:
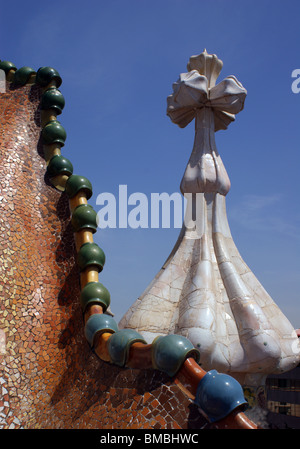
column 205, row 291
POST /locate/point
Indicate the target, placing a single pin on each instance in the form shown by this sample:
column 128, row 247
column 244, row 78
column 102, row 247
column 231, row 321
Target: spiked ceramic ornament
column 205, row 291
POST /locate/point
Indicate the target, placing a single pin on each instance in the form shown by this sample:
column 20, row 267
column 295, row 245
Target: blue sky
column 118, row 60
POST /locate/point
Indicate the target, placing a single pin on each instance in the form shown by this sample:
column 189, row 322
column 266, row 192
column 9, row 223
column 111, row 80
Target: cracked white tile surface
column 205, row 291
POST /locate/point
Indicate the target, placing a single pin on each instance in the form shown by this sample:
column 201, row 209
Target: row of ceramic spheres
column 168, row 353
column 217, row 394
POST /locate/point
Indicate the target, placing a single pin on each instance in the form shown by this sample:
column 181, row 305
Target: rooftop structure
column 205, row 291
column 65, row 362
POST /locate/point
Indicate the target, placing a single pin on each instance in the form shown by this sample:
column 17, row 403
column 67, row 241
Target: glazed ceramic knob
column 218, row 395
column 119, row 345
column 98, row 324
column 90, row 254
column 59, row 165
column 22, row 75
column 52, row 99
column 94, row 293
column 84, row 217
column 45, row 75
column 7, row 66
column 54, row 132
column 170, row 351
column 75, row 183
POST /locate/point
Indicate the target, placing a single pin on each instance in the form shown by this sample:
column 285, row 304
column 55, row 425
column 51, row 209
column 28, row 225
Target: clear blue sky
column 118, row 60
